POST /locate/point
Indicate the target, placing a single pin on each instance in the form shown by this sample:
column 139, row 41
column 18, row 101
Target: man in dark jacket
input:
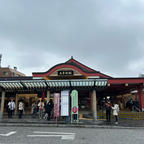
column 49, row 108
column 108, row 108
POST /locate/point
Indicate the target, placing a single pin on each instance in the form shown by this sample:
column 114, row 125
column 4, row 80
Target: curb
column 68, row 126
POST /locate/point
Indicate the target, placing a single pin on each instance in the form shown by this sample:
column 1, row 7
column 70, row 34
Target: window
column 13, row 74
column 5, row 73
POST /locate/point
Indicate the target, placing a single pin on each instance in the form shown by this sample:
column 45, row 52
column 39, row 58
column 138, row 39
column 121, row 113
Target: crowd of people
column 40, row 108
column 43, row 109
column 133, row 105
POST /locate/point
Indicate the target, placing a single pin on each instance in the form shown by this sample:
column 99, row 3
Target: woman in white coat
column 115, row 112
column 21, row 109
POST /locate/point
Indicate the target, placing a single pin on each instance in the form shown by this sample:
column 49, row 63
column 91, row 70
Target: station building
column 93, row 87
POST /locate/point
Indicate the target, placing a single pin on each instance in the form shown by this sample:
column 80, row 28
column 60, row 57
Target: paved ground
column 123, row 123
column 28, row 120
column 53, row 135
column 35, row 131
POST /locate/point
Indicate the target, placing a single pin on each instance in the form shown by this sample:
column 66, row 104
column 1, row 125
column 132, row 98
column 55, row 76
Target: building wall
column 8, row 72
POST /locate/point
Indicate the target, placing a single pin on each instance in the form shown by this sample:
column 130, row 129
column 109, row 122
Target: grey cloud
column 104, row 34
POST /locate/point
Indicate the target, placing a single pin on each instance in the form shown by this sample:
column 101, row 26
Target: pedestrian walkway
column 85, row 123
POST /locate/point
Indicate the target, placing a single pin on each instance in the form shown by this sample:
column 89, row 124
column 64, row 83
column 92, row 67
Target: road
column 52, row 135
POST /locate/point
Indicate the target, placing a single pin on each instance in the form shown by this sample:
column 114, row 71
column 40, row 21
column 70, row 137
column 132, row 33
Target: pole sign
column 56, row 104
column 74, row 102
column 65, row 103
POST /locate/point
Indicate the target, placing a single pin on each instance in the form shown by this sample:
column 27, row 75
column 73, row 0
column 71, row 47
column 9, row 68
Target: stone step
column 126, row 115
column 122, row 115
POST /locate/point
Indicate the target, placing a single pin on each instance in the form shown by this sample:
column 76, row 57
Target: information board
column 65, row 103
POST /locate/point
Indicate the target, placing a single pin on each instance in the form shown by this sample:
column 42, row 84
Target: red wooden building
column 92, row 85
column 73, row 69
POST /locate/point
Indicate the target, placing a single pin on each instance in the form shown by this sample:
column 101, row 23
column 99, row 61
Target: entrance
column 27, row 99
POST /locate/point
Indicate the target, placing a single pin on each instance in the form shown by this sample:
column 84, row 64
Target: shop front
column 37, row 89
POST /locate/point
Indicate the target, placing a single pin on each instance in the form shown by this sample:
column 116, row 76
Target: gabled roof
column 81, row 66
column 72, row 63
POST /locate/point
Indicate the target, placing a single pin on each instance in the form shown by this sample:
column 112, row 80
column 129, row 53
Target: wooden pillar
column 90, row 100
column 2, row 104
column 94, row 105
column 16, row 104
column 48, row 96
column 140, row 96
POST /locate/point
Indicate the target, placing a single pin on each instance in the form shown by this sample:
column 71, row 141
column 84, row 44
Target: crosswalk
column 62, row 135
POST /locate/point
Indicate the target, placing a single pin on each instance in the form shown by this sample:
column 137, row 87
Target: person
column 34, row 109
column 8, row 109
column 121, row 104
column 129, row 104
column 50, row 103
column 21, row 109
column 11, row 108
column 41, row 108
column 47, row 111
column 108, row 110
column 115, row 109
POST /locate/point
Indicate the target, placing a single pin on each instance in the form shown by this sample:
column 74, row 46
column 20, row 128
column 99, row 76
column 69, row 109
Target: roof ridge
column 80, row 64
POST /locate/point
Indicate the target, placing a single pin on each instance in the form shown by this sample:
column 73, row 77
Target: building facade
column 93, row 87
column 9, row 72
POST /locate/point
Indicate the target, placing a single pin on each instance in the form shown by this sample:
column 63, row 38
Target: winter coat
column 108, row 106
column 21, row 106
column 115, row 109
column 11, row 105
column 41, row 105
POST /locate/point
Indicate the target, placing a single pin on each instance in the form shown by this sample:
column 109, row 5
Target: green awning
column 43, row 84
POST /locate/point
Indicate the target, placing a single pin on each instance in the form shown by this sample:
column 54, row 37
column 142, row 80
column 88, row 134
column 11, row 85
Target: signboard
column 74, row 102
column 65, row 73
column 56, row 104
column 74, row 109
column 65, row 103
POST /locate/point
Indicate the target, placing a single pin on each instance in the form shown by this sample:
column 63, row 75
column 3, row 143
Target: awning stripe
column 32, row 84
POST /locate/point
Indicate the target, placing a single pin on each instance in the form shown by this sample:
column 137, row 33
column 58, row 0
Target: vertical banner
column 74, row 105
column 56, row 104
column 43, row 96
column 74, row 102
column 65, row 103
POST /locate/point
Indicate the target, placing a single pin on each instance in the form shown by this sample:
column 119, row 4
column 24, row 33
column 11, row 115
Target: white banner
column 65, row 103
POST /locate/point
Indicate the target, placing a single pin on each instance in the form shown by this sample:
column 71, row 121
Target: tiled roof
column 75, row 64
column 81, row 66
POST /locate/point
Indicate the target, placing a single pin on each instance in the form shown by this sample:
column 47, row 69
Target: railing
column 125, row 115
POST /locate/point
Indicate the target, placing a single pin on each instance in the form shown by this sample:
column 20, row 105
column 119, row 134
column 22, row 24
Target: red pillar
column 43, row 96
column 140, row 96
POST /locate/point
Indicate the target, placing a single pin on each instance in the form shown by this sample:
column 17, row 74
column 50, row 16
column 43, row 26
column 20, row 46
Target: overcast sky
column 106, row 35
